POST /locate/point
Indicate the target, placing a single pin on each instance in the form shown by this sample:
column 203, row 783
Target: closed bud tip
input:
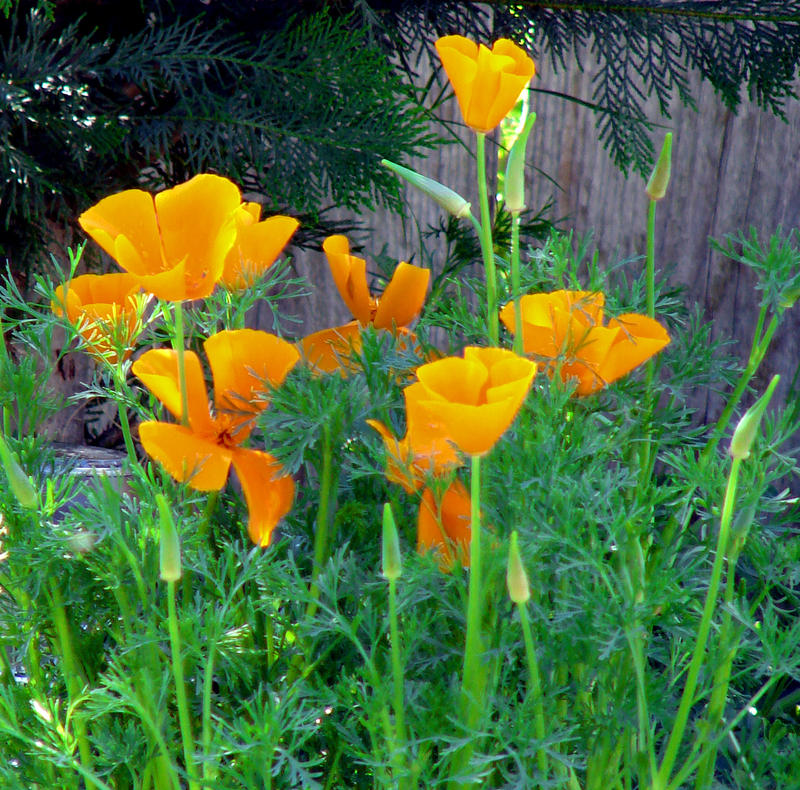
column 169, row 543
column 449, row 200
column 391, row 545
column 746, row 430
column 19, row 483
column 516, row 578
column 659, row 180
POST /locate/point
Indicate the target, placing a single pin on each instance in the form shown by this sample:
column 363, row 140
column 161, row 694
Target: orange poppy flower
column 444, row 526
column 568, row 326
column 400, row 303
column 257, row 246
column 487, row 82
column 476, row 398
column 175, row 243
column 105, row 309
column 200, row 455
column 424, row 450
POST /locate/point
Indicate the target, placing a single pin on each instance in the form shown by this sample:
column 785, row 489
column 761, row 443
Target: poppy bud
column 391, row 545
column 515, row 168
column 18, row 481
column 745, row 433
column 659, row 180
column 516, row 578
column 169, row 543
column 449, row 200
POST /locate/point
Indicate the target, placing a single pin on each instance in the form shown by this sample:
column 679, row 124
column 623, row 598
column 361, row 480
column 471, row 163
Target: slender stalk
column 73, row 676
column 209, row 770
column 650, row 284
column 650, row 260
column 687, row 698
column 535, row 689
column 487, row 248
column 180, row 689
column 397, row 666
column 323, row 517
column 119, row 388
column 178, row 343
column 515, row 283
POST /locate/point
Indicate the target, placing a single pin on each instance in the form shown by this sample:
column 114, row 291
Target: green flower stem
column 474, row 675
column 180, row 689
column 487, row 248
column 687, row 698
column 323, row 517
column 722, row 677
column 535, row 689
column 73, row 676
column 397, row 667
column 209, row 769
column 515, row 283
column 650, row 260
column 120, row 387
column 178, row 343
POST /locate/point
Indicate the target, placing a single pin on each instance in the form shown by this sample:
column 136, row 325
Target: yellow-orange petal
column 329, row 350
column 403, row 298
column 158, row 371
column 446, row 527
column 639, row 338
column 243, row 362
column 257, row 247
column 350, row 276
column 189, row 458
column 454, row 380
column 268, row 491
column 399, row 459
column 197, row 220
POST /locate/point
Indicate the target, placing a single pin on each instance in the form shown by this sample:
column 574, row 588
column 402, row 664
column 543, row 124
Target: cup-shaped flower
column 400, row 303
column 105, row 309
column 175, row 243
column 425, row 450
column 257, row 246
column 487, row 82
column 443, row 525
column 243, row 364
column 566, row 327
column 474, row 398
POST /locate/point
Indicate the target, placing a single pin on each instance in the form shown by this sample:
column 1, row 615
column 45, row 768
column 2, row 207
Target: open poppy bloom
column 200, row 455
column 567, row 327
column 487, row 82
column 175, row 243
column 400, row 303
column 424, row 450
column 475, row 399
column 105, row 309
column 257, row 246
column 444, row 526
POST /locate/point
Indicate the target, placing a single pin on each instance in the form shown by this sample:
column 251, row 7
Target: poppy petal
column 330, row 349
column 257, row 247
column 403, row 298
column 350, row 275
column 446, row 526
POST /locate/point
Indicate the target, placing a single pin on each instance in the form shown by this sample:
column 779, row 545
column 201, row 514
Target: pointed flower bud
column 515, row 168
column 659, row 180
column 169, row 543
column 391, row 545
column 516, row 578
column 746, row 430
column 449, row 200
column 18, row 481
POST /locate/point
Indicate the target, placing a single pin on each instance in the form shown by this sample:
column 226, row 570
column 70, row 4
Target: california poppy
column 424, row 450
column 400, row 303
column 487, row 82
column 257, row 245
column 242, row 363
column 175, row 243
column 476, row 398
column 105, row 309
column 567, row 327
column 444, row 524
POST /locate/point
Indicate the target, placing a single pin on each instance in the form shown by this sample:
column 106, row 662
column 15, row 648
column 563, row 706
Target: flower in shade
column 474, row 398
column 257, row 246
column 487, row 82
column 243, row 363
column 176, row 242
column 566, row 327
column 425, row 449
column 443, row 524
column 105, row 309
column 400, row 303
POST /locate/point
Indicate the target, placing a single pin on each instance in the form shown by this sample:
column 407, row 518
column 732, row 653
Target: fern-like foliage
column 300, row 114
column 638, row 48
